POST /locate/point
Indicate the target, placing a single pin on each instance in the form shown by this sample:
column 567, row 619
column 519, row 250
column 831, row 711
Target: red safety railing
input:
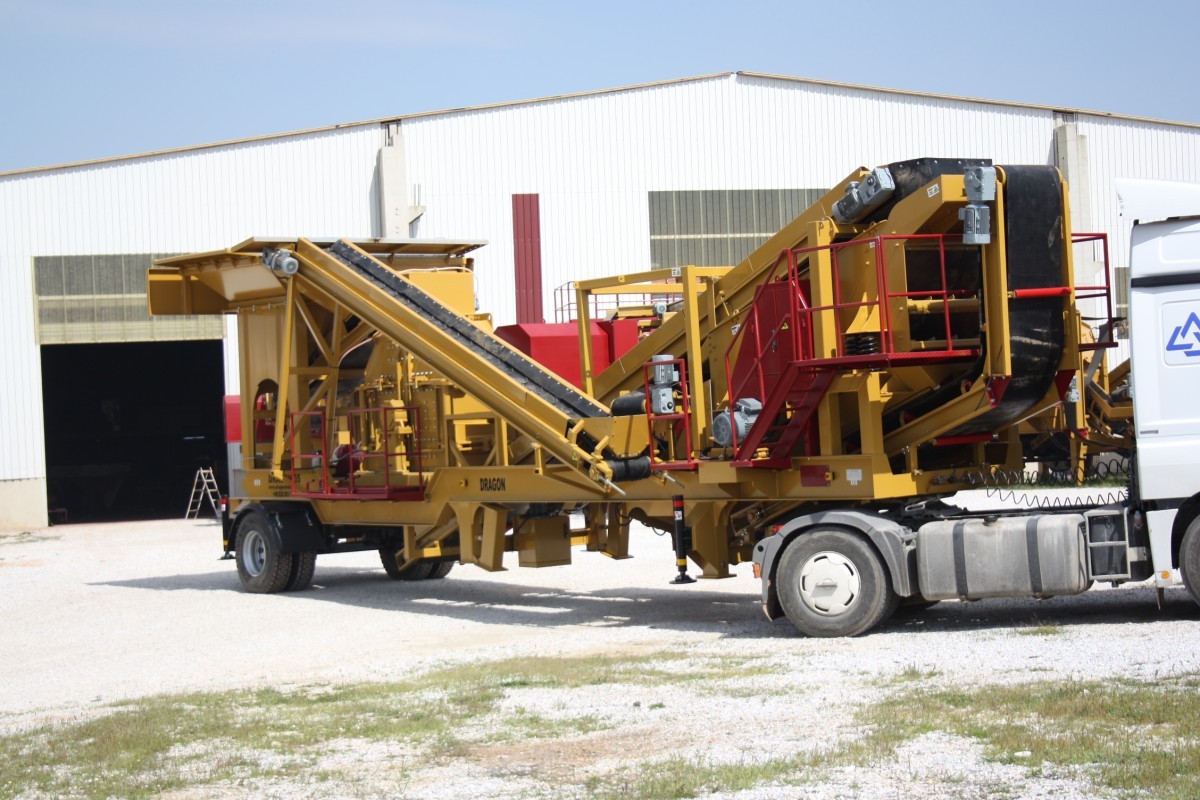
column 350, row 486
column 305, row 463
column 791, row 328
column 793, row 378
column 1102, row 292
column 800, row 315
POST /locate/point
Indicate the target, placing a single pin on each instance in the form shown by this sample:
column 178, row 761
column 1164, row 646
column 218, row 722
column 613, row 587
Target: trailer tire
column 1189, row 559
column 413, row 572
column 833, row 583
column 261, row 564
column 301, row 575
column 440, row 570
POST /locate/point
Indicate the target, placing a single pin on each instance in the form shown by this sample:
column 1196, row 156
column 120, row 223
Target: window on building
column 719, row 228
column 102, row 298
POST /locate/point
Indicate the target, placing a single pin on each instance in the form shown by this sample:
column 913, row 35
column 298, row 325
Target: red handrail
column 330, row 489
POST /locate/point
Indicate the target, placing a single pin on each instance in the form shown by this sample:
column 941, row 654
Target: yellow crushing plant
column 912, row 334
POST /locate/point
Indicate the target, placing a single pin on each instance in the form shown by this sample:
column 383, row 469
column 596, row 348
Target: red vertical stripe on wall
column 527, row 256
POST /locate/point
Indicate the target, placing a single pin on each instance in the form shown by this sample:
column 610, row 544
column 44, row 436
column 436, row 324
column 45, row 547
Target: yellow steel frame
column 504, row 448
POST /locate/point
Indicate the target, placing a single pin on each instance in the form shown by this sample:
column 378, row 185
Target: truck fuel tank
column 1038, row 555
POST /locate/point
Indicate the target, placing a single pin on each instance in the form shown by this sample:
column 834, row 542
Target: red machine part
column 233, row 418
column 556, row 345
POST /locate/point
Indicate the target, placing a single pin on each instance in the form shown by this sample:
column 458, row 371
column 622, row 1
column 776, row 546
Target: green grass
column 914, row 674
column 1132, row 737
column 678, row 778
column 26, row 537
column 1129, row 737
column 1040, row 630
column 1125, row 736
column 162, row 743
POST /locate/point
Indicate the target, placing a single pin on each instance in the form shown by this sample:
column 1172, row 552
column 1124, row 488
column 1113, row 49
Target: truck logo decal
column 1186, row 337
column 491, row 485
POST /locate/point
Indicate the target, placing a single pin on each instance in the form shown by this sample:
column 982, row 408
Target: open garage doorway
column 127, row 426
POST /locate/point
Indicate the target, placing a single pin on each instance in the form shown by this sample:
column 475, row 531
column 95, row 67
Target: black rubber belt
column 530, row 375
column 1034, row 242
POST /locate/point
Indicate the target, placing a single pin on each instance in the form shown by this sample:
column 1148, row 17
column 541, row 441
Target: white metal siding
column 1121, row 148
column 318, row 184
column 592, row 160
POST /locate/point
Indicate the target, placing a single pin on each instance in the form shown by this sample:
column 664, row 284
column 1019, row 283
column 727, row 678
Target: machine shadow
column 687, row 608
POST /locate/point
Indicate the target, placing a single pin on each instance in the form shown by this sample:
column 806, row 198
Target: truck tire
column 301, row 574
column 833, row 583
column 440, row 570
column 413, row 572
column 261, row 566
column 1189, row 559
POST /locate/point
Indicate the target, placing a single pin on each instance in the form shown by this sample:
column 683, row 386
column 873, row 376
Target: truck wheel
column 833, row 583
column 413, row 572
column 440, row 570
column 261, row 566
column 1189, row 559
column 301, row 574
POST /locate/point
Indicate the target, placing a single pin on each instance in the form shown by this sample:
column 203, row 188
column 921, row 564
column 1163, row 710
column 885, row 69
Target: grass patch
column 26, row 537
column 1040, row 630
column 1132, row 737
column 679, row 778
column 162, row 743
column 914, row 674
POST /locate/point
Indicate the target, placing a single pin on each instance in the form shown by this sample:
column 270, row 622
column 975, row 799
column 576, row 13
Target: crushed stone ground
column 108, row 612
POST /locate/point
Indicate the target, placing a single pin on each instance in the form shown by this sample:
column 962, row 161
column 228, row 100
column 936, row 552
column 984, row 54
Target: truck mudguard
column 294, row 526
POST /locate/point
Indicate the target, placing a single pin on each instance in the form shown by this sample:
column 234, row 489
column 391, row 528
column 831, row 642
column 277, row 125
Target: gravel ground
column 100, row 613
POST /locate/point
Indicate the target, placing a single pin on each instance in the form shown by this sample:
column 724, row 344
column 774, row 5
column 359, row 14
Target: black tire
column 440, row 570
column 833, row 583
column 261, row 566
column 413, row 572
column 301, row 574
column 1189, row 559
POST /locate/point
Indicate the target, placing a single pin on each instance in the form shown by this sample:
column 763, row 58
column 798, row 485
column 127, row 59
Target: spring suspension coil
column 1014, row 486
column 862, row 344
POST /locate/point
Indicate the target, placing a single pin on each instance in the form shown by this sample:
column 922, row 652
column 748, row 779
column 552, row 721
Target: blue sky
column 84, row 80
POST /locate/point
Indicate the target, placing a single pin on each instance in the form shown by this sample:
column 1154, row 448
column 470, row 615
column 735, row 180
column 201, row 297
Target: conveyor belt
column 1034, row 255
column 521, row 370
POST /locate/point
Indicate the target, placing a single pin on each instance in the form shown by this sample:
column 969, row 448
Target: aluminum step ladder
column 204, row 487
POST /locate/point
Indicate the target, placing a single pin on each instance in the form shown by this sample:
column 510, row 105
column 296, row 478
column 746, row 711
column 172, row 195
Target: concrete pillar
column 1071, row 158
column 23, row 505
column 397, row 213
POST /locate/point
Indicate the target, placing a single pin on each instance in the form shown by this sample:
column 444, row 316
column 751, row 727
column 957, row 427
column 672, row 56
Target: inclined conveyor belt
column 1034, row 259
column 529, row 375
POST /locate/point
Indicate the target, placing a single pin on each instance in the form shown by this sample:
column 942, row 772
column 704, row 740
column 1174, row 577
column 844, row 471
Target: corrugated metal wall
column 593, row 159
column 1122, row 148
column 319, row 184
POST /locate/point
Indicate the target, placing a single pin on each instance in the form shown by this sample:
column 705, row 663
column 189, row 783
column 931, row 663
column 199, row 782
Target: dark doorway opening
column 128, row 425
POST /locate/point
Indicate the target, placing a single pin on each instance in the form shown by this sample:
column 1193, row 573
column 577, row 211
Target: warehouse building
column 107, row 413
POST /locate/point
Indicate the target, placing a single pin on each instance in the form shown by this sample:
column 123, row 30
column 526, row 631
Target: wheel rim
column 829, row 583
column 254, row 553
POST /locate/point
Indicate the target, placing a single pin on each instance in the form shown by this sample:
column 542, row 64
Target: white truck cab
column 1164, row 324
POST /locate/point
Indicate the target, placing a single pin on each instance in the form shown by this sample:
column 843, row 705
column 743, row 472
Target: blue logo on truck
column 1186, row 337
